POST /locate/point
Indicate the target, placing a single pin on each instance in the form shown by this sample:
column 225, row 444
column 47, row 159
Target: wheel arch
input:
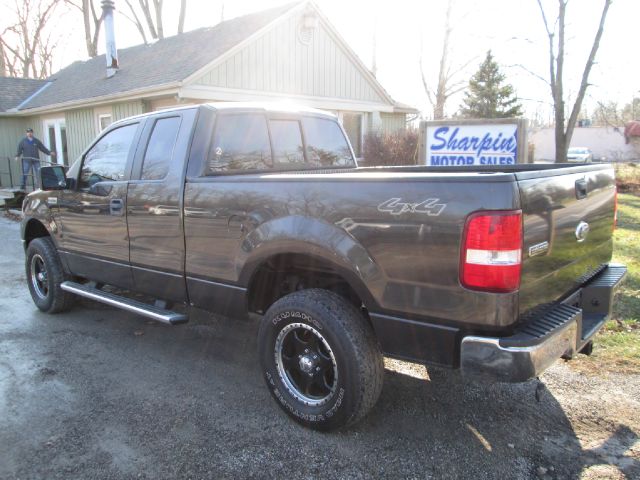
column 312, row 247
column 33, row 229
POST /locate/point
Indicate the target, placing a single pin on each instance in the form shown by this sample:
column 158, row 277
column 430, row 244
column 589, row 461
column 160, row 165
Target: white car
column 579, row 154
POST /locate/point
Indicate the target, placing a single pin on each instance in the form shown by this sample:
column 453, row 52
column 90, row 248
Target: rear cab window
column 159, row 151
column 255, row 142
column 326, row 143
column 288, row 149
column 240, row 142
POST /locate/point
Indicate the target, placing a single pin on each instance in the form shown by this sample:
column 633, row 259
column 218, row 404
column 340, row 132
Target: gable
column 280, row 61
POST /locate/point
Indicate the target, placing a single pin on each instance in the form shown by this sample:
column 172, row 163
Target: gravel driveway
column 101, row 393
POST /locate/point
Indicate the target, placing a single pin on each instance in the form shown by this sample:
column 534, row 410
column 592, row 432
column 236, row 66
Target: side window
column 159, row 152
column 287, row 143
column 107, row 159
column 326, row 144
column 240, row 142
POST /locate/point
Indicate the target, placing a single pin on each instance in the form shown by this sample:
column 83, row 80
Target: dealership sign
column 473, row 144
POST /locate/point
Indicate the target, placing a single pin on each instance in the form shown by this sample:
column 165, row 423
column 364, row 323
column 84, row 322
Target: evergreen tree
column 487, row 96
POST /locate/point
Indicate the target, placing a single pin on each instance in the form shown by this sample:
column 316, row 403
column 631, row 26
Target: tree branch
column 530, row 72
column 585, row 74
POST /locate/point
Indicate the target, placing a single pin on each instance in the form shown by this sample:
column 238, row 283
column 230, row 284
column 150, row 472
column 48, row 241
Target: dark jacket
column 30, row 149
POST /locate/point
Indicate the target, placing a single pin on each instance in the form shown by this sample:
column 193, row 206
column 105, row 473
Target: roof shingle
column 169, row 60
column 14, row 91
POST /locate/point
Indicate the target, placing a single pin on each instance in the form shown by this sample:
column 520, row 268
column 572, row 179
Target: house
column 632, row 136
column 288, row 53
column 606, row 143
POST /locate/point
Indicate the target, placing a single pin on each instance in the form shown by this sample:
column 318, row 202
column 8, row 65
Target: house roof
column 161, row 66
column 163, row 62
column 14, row 91
column 632, row 129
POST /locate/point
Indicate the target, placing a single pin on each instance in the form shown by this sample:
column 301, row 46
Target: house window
column 352, row 123
column 104, row 120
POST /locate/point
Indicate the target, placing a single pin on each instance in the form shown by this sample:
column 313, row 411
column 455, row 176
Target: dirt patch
column 8, row 214
column 628, row 187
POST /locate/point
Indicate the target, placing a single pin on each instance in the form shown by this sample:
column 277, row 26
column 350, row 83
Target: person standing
column 30, row 148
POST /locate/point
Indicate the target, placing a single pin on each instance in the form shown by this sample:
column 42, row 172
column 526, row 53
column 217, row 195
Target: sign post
column 473, row 142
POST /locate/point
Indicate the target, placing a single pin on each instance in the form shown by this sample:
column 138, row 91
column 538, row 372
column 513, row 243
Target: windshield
column 579, row 151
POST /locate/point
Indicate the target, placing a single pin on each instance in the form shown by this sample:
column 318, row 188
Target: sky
column 512, row 29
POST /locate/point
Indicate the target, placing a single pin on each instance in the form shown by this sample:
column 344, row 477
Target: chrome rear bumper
column 557, row 331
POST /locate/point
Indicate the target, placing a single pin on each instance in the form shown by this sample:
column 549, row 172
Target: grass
column 617, row 346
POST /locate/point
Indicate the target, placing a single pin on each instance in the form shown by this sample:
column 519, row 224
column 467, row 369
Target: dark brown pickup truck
column 238, row 208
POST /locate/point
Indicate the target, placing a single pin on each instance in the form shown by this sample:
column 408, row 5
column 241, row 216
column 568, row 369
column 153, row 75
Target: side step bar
column 150, row 311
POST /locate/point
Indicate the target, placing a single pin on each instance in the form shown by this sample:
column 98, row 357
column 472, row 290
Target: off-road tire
column 46, row 293
column 355, row 376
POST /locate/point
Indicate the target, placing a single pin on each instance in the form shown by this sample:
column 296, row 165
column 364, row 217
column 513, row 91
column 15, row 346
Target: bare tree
column 447, row 84
column 5, row 66
column 563, row 127
column 610, row 114
column 26, row 47
column 135, row 20
column 92, row 23
column 146, row 16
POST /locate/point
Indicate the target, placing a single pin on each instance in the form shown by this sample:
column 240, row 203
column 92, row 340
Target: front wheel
column 320, row 359
column 44, row 276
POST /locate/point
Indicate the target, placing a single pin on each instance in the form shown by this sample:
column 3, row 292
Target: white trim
column 99, row 118
column 160, row 90
column 57, row 123
column 203, row 92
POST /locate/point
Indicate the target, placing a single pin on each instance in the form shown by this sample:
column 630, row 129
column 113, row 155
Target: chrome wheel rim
column 306, row 364
column 39, row 276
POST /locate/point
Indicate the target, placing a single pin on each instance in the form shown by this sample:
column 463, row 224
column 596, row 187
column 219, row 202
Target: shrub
column 383, row 149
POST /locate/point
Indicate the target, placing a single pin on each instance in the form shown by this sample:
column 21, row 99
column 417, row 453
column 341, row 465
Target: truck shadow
column 204, row 377
column 517, row 428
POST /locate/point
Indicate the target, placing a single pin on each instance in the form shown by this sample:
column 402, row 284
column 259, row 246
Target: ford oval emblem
column 582, row 230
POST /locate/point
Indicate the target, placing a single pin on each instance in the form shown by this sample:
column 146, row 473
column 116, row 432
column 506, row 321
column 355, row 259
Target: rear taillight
column 492, row 251
column 615, row 208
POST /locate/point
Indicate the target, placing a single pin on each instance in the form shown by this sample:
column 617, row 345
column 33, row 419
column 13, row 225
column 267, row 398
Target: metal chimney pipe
column 108, row 6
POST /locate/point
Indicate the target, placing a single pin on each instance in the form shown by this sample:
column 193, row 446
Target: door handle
column 237, row 222
column 116, row 206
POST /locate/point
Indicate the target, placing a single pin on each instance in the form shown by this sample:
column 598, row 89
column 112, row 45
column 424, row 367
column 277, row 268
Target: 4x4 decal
column 395, row 206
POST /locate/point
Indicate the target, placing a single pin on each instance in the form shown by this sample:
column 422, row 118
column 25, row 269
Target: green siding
column 393, row 122
column 279, row 62
column 127, row 109
column 11, row 131
column 81, row 130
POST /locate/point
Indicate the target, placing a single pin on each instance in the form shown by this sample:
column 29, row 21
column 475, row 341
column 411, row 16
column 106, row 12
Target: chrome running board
column 150, row 311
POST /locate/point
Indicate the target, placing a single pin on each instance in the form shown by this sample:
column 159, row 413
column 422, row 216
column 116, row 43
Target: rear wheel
column 44, row 276
column 320, row 359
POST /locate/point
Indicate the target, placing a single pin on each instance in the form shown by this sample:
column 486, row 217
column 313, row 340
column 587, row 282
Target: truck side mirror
column 53, row 178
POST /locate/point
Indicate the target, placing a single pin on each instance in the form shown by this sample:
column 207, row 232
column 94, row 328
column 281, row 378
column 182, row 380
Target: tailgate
column 568, row 220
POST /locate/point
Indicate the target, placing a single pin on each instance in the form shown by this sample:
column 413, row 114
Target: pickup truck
column 238, row 208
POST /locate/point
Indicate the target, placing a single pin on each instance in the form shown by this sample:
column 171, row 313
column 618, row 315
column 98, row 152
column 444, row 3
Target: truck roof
column 270, row 107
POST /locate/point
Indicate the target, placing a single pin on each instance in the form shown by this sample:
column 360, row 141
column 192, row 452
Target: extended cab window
column 240, row 142
column 326, row 144
column 287, row 143
column 157, row 157
column 107, row 159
